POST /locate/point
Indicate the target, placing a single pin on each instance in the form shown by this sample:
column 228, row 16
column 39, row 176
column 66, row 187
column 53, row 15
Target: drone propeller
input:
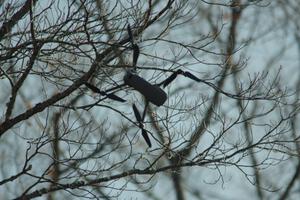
column 134, row 46
column 137, row 113
column 115, row 97
column 110, row 95
column 140, row 121
column 146, row 137
column 130, row 34
column 136, row 53
column 174, row 75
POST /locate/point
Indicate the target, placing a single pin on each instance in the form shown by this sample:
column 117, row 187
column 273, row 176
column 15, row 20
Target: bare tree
column 143, row 99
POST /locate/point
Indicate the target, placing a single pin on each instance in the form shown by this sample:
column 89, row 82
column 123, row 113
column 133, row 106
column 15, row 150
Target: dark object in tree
column 130, row 34
column 136, row 53
column 174, row 75
column 146, row 137
column 108, row 95
column 134, row 46
column 152, row 93
column 141, row 125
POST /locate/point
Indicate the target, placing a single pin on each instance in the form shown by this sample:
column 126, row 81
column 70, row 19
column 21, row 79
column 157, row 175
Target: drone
column 153, row 93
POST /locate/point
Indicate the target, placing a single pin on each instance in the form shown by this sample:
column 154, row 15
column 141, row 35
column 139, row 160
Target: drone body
column 152, row 93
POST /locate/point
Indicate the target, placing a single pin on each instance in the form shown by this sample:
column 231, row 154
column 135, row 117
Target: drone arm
column 174, row 75
column 171, row 78
column 108, row 95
